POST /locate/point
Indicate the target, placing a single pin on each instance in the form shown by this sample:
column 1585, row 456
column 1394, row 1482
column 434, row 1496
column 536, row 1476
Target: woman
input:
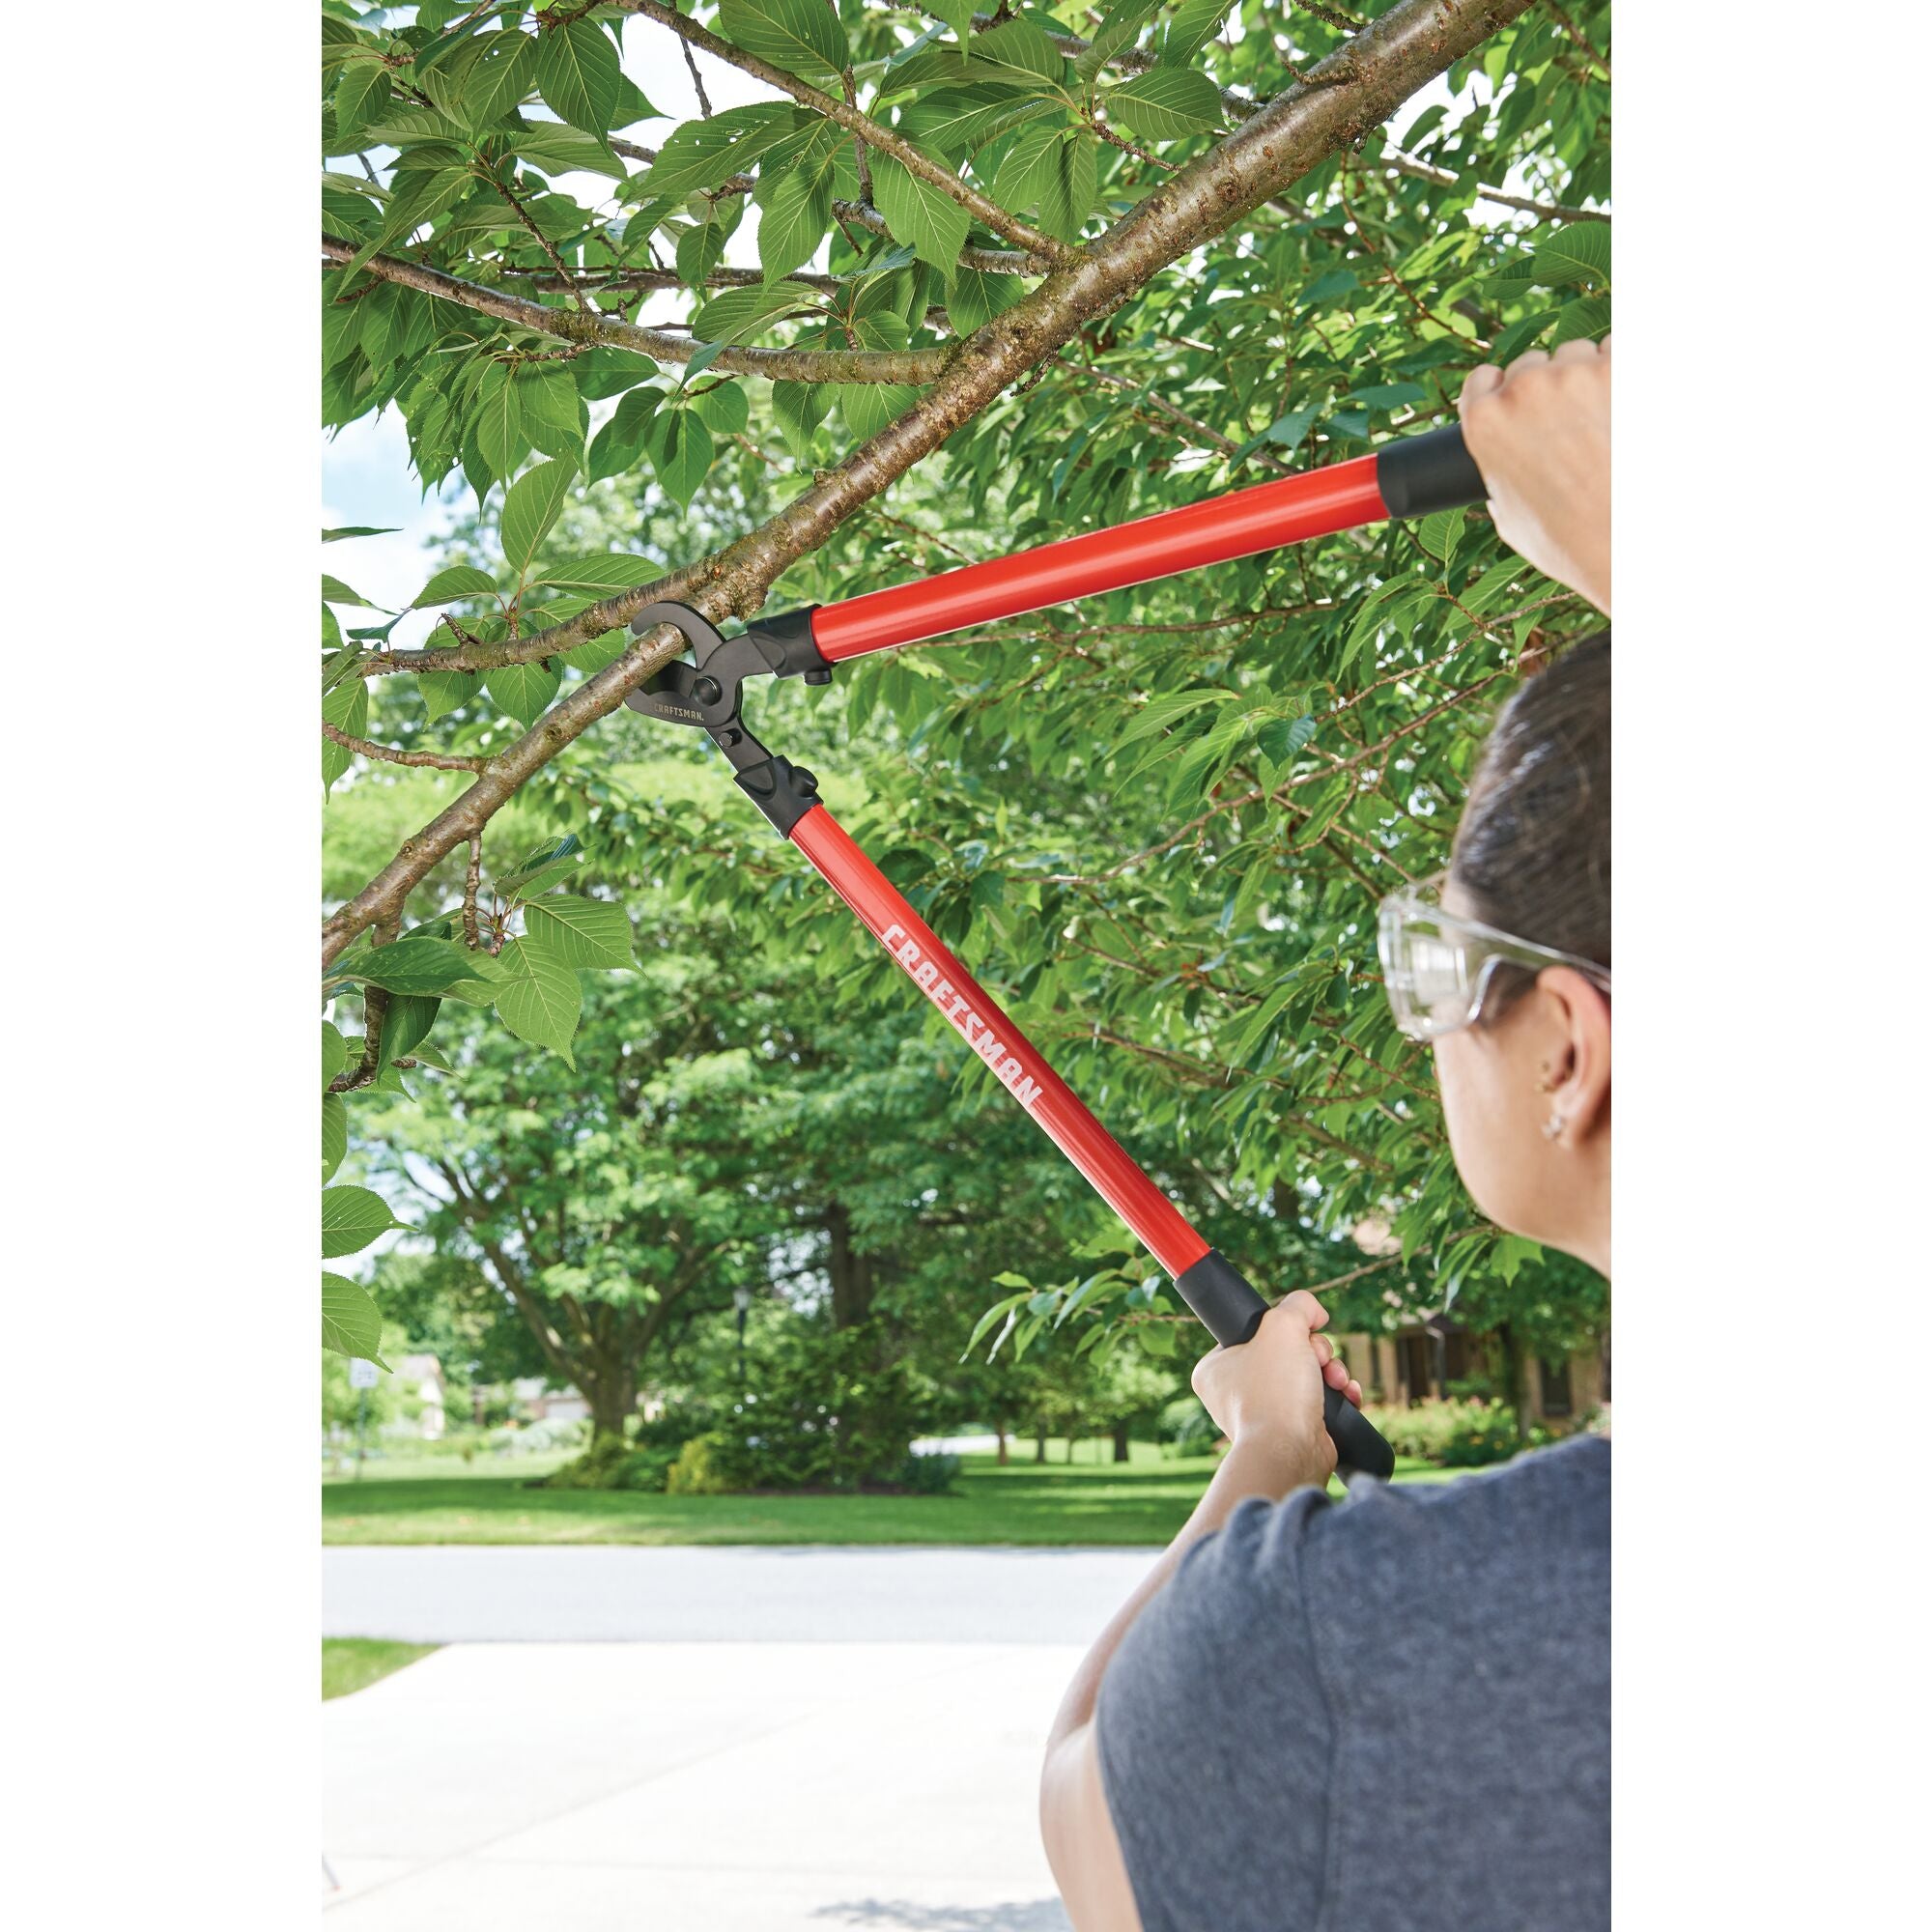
column 1394, row 1711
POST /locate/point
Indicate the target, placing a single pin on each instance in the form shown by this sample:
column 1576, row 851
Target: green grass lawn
column 354, row 1662
column 1144, row 1501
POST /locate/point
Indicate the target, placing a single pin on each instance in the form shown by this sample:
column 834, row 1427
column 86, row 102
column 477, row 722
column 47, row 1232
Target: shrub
column 610, row 1463
column 929, row 1475
column 828, row 1410
column 698, row 1469
column 1457, row 1434
column 1186, row 1428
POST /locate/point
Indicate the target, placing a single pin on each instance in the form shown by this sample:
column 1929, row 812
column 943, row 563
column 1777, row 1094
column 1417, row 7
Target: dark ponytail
column 1532, row 854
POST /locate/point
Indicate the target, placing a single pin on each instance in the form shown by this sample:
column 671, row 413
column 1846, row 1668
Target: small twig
column 697, row 80
column 472, row 881
column 368, row 749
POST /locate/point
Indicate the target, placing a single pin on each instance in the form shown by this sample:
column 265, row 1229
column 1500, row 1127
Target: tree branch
column 983, row 211
column 916, row 366
column 1551, row 211
column 367, row 748
column 1351, row 92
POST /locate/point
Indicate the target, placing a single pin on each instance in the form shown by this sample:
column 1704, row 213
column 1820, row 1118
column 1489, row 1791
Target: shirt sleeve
column 1212, row 1719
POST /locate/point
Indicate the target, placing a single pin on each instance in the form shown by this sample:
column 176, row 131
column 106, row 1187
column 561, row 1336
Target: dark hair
column 1532, row 854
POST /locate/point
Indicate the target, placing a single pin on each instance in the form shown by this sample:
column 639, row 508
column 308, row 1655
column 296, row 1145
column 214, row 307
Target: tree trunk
column 1000, row 1435
column 1120, row 1442
column 850, row 1270
column 1516, row 1384
column 611, row 1391
column 1040, row 1444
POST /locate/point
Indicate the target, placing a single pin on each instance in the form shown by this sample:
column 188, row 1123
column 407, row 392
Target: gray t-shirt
column 1388, row 1713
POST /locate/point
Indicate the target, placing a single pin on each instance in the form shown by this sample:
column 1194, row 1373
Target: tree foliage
column 1012, row 283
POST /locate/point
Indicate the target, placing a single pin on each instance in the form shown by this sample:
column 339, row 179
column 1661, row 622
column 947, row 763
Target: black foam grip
column 1231, row 1309
column 1360, row 1448
column 1432, row 471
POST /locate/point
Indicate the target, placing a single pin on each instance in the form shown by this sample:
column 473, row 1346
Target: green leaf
column 1159, row 1337
column 1578, row 252
column 578, row 75
column 680, row 449
column 501, row 79
column 532, row 505
column 621, row 443
column 416, row 965
column 580, row 932
column 616, row 570
column 932, row 223
column 360, row 97
column 726, row 409
column 547, row 858
column 1587, row 320
column 976, row 298
column 358, row 530
column 704, row 153
column 1069, row 196
column 444, row 691
column 499, row 421
column 352, row 1217
column 406, row 1024
column 1016, row 50
column 523, row 690
column 1520, row 335
column 1194, row 24
column 334, row 1052
column 800, row 36
column 800, row 407
column 334, row 1133
column 1167, row 102
column 1120, row 29
column 795, row 210
column 740, row 314
column 538, row 996
column 451, row 586
column 351, row 1324
column 998, row 1311
column 1286, row 432
column 347, row 708
column 1028, row 167
column 549, row 409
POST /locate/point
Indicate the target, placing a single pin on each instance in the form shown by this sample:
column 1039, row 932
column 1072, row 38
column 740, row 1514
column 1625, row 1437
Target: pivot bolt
column 823, row 676
column 707, row 690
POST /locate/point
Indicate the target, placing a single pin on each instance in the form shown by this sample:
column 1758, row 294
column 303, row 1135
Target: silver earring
column 1552, row 1128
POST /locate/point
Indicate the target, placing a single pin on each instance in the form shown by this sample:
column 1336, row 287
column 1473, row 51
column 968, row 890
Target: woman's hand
column 1540, row 432
column 1266, row 1394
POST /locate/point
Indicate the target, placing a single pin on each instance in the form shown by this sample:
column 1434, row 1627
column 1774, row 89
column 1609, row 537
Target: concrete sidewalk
column 785, row 1594
column 695, row 1787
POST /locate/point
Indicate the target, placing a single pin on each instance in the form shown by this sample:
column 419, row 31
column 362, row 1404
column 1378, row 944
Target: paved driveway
column 695, row 1787
column 803, row 1594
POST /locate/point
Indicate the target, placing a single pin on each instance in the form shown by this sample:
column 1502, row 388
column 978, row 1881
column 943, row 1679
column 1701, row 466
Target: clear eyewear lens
column 1432, row 984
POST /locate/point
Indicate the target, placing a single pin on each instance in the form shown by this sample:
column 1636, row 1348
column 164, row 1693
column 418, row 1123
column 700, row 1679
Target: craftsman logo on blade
column 972, row 1029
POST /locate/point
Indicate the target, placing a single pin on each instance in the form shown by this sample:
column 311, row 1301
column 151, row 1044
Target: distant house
column 1436, row 1357
column 545, row 1404
column 421, row 1377
column 1432, row 1358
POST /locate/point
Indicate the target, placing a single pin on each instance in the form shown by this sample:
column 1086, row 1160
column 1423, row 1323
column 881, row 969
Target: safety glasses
column 1439, row 970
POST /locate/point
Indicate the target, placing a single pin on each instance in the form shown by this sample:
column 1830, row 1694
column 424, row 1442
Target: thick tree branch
column 1353, row 91
column 882, row 139
column 916, row 366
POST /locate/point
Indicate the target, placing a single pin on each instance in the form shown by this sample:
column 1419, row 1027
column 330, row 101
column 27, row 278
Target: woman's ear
column 1579, row 1089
